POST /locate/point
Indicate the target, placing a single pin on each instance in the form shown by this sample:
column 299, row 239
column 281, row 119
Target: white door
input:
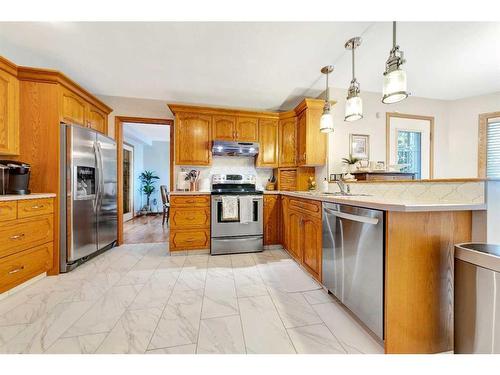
column 128, row 182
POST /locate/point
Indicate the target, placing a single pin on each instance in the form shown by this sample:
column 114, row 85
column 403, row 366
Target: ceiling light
column 354, row 104
column 326, row 123
column 394, row 77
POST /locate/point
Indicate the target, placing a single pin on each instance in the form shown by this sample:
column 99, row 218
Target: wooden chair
column 166, row 203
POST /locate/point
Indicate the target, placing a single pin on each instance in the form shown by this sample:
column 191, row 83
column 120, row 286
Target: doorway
column 145, row 162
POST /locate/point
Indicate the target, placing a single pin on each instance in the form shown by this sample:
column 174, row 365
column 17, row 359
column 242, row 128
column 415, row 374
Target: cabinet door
column 268, row 143
column 284, row 222
column 247, row 129
column 9, row 114
column 295, row 235
column 312, row 245
column 271, row 220
column 224, row 128
column 301, row 138
column 288, row 142
column 97, row 119
column 193, row 139
column 73, row 108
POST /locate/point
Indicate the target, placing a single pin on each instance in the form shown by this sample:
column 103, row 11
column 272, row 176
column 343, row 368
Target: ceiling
column 146, row 133
column 256, row 65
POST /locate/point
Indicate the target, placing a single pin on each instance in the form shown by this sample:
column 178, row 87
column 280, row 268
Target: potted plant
column 148, row 180
column 351, row 162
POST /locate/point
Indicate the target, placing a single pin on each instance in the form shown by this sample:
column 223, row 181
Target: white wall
column 134, row 107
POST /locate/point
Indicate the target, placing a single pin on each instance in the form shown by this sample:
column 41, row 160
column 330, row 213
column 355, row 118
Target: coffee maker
column 14, row 177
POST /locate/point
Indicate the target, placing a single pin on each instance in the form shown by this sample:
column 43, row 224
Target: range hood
column 225, row 148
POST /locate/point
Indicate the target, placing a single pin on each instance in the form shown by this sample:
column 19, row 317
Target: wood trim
column 8, row 66
column 212, row 110
column 388, row 116
column 482, row 142
column 119, row 120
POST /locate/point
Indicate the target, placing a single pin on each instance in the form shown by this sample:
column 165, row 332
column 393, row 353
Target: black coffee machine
column 14, row 177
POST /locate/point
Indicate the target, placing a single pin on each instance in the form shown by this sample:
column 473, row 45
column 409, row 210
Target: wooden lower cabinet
column 302, row 233
column 272, row 213
column 26, row 240
column 189, row 222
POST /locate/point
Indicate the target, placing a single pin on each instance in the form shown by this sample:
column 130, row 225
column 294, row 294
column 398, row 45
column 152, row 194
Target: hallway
column 145, row 229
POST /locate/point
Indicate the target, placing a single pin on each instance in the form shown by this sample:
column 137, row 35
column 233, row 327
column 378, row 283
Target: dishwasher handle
column 361, row 219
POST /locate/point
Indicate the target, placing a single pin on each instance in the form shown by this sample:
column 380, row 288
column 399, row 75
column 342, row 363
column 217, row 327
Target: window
column 409, row 151
column 493, row 149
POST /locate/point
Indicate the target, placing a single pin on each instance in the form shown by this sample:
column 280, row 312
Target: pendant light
column 326, row 122
column 394, row 77
column 354, row 104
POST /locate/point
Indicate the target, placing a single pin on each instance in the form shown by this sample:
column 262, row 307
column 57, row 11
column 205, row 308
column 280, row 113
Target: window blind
column 493, row 150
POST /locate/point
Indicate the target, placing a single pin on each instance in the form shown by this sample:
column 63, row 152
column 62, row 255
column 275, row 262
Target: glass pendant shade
column 353, row 109
column 394, row 87
column 326, row 122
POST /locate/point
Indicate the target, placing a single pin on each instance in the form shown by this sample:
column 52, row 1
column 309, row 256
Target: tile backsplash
column 449, row 192
column 231, row 165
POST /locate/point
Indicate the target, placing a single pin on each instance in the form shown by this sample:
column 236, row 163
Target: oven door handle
column 256, row 199
column 235, row 239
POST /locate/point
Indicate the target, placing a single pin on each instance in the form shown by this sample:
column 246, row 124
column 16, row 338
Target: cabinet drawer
column 18, row 268
column 186, row 218
column 189, row 239
column 190, row 200
column 308, row 206
column 34, row 207
column 19, row 235
column 8, row 211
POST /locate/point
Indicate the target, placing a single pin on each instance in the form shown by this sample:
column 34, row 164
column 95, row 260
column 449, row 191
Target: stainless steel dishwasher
column 353, row 261
column 477, row 298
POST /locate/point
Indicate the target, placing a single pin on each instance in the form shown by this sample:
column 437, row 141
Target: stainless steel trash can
column 477, row 298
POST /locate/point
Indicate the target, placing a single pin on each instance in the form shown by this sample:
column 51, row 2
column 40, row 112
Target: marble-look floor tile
column 40, row 335
column 351, row 335
column 8, row 332
column 293, row 309
column 172, row 262
column 156, row 292
column 221, row 336
column 287, row 277
column 180, row 320
column 191, row 279
column 86, row 344
column 249, row 283
column 317, row 296
column 315, row 339
column 182, row 349
column 135, row 276
column 132, row 332
column 106, row 311
column 262, row 327
column 242, row 260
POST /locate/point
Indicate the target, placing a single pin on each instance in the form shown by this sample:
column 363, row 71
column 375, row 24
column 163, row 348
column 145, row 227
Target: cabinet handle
column 190, row 218
column 236, row 135
column 17, row 237
column 37, row 207
column 191, row 201
column 190, row 240
column 16, row 270
column 304, row 156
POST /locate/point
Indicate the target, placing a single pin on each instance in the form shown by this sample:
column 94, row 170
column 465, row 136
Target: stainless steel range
column 242, row 233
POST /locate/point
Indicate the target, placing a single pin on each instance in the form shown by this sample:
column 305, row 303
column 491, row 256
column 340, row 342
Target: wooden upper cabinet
column 9, row 114
column 247, row 129
column 224, row 128
column 311, row 143
column 312, row 245
column 97, row 119
column 268, row 143
column 193, row 138
column 73, row 108
column 288, row 142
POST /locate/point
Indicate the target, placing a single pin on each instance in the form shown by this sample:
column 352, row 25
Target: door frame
column 119, row 120
column 131, row 149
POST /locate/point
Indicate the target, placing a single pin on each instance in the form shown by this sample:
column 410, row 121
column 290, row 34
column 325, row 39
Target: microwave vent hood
column 225, row 148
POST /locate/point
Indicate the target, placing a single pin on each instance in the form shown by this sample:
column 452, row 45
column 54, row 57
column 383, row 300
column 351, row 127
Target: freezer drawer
column 353, row 261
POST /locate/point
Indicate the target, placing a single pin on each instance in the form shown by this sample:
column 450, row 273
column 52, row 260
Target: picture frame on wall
column 359, row 146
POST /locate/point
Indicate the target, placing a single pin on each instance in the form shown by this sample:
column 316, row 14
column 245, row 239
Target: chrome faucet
column 344, row 188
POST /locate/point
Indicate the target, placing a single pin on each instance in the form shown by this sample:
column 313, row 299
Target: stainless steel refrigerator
column 89, row 184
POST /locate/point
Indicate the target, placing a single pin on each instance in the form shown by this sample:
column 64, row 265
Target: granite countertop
column 178, row 192
column 12, row 197
column 386, row 204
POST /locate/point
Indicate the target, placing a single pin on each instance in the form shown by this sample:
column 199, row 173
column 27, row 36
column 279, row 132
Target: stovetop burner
column 234, row 184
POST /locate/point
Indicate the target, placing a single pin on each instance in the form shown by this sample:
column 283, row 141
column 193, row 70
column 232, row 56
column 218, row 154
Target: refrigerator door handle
column 97, row 188
column 101, row 176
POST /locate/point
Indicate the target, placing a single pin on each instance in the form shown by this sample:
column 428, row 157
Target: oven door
column 222, row 228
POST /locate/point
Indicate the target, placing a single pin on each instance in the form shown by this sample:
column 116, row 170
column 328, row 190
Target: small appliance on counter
column 14, row 177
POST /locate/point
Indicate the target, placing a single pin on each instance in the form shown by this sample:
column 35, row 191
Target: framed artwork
column 359, row 146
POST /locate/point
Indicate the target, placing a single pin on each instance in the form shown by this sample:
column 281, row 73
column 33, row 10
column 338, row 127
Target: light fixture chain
column 394, row 34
